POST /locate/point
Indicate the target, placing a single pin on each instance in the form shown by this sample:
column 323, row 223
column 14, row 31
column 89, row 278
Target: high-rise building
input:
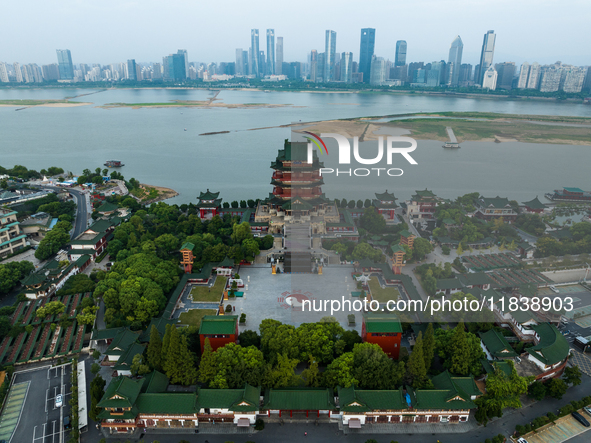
column 436, row 74
column 183, row 52
column 523, row 76
column 489, row 80
column 262, row 64
column 378, row 71
column 270, row 52
column 487, row 55
column 412, row 69
column 174, row 67
column 573, row 78
column 399, row 73
column 131, row 70
column 400, row 58
column 455, row 57
column 254, row 53
column 64, row 61
column 156, row 71
column 330, row 48
column 3, row 73
column 465, row 74
column 550, row 77
column 321, row 67
column 366, row 50
column 17, row 72
column 51, row 72
column 239, row 62
column 313, row 65
column 534, row 76
column 347, row 67
column 505, row 73
column 279, row 57
column 587, row 82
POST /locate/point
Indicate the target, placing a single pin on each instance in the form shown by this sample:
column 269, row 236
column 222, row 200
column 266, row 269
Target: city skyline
column 516, row 33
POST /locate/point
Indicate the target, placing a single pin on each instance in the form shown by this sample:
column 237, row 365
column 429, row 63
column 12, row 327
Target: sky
column 111, row 31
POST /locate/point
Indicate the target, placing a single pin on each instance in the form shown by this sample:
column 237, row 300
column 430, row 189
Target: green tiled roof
column 187, row 245
column 227, row 262
column 107, row 207
column 170, row 403
column 448, row 283
column 208, row 195
column 552, row 347
column 122, row 392
column 106, row 334
column 82, row 260
column 579, row 190
column 425, row 193
column 215, row 204
column 521, row 316
column 496, row 344
column 535, row 204
column 238, row 400
column 121, row 342
column 386, row 196
column 354, row 400
column 448, row 221
column 397, row 248
column 495, row 202
column 155, row 382
column 489, row 366
column 93, row 241
column 406, row 234
column 476, row 278
column 559, row 234
column 101, row 225
column 36, row 278
column 303, row 399
column 126, row 359
column 375, row 322
column 449, row 393
column 218, row 324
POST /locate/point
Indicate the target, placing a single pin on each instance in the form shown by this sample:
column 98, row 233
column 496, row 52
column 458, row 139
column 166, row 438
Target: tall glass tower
column 347, row 67
column 254, row 52
column 400, row 58
column 366, row 50
column 330, row 49
column 270, row 52
column 279, row 60
column 486, row 56
column 65, row 65
column 455, row 57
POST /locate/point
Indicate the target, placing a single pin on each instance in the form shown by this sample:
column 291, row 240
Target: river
column 156, row 149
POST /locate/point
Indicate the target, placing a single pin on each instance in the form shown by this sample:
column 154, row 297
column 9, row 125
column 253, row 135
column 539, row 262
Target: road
column 82, row 207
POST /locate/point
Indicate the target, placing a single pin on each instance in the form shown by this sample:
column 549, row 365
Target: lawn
column 194, row 316
column 382, row 295
column 202, row 293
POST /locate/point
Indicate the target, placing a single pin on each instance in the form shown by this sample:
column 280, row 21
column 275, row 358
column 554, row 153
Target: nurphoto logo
column 392, row 147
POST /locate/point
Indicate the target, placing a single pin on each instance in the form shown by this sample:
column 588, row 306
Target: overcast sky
column 109, row 31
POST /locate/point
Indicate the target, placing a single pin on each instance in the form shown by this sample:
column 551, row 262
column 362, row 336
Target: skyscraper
column 523, row 76
column 366, row 50
column 330, row 48
column 50, row 72
column 455, row 57
column 254, row 52
column 239, row 62
column 270, row 52
column 183, row 52
column 347, row 67
column 17, row 72
column 313, row 65
column 534, row 76
column 131, row 70
column 3, row 72
column 64, row 61
column 400, row 58
column 245, row 61
column 486, row 56
column 320, row 68
column 505, row 73
column 279, row 59
column 378, row 71
column 262, row 64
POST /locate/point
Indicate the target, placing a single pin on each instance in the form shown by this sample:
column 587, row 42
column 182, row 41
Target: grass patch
column 194, row 316
column 145, row 193
column 202, row 293
column 31, row 102
column 382, row 295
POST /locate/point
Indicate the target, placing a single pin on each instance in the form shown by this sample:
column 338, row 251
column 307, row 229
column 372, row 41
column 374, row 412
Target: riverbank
column 41, row 103
column 194, row 104
column 148, row 194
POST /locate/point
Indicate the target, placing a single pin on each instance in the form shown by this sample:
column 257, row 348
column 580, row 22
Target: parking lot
column 40, row 420
column 561, row 430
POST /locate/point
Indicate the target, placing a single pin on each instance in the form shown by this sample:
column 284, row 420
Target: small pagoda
column 386, row 205
column 398, row 252
column 407, row 238
column 209, row 204
column 187, row 254
column 535, row 206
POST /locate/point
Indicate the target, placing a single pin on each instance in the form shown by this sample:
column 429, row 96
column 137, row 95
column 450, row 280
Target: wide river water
column 156, row 149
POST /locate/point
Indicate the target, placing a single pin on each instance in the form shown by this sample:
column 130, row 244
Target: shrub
column 446, row 250
column 259, row 424
column 228, row 308
column 243, row 318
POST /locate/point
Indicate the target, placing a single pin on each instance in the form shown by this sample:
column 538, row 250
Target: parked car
column 553, row 288
column 587, row 409
column 59, row 401
column 67, row 422
column 521, row 440
column 578, row 417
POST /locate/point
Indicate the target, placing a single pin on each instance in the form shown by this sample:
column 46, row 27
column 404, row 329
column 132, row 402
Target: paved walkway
column 583, row 361
column 12, row 412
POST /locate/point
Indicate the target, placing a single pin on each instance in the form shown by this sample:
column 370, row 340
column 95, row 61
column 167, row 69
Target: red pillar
column 279, row 413
column 318, row 413
column 306, row 413
column 290, row 413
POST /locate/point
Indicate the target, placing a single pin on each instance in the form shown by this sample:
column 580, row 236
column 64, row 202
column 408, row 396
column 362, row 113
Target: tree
column 460, row 350
column 421, row 247
column 54, row 240
column 207, row 364
column 179, row 363
column 359, row 204
column 416, row 370
column 282, row 375
column 241, row 232
column 95, row 368
column 572, row 376
column 154, row 351
column 537, row 390
column 460, row 250
column 277, row 338
column 556, row 388
column 249, row 338
column 236, row 365
column 97, row 386
column 87, row 316
column 318, row 340
column 429, row 347
column 138, row 367
column 50, row 308
column 429, row 283
column 311, row 375
column 372, row 221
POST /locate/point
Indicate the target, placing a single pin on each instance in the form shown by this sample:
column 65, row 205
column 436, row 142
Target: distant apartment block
column 11, row 237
